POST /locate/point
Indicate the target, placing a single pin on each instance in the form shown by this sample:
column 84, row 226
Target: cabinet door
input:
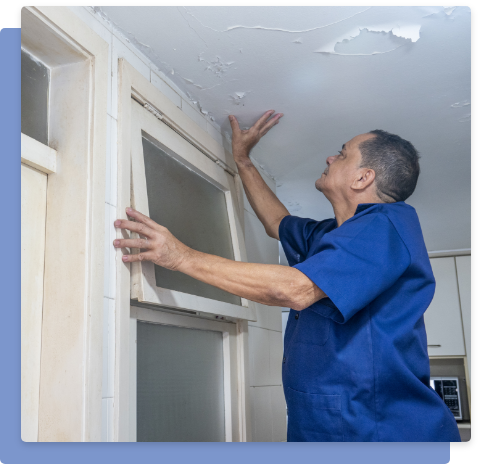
column 443, row 321
column 464, row 287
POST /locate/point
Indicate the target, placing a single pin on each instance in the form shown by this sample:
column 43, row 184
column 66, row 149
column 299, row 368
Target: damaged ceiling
column 334, row 72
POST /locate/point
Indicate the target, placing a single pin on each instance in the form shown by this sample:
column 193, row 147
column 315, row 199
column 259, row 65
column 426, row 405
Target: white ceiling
column 334, row 72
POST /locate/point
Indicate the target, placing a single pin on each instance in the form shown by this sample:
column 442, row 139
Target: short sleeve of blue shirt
column 353, row 264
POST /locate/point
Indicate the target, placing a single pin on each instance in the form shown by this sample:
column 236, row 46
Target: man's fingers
column 272, row 122
column 137, row 257
column 234, row 124
column 139, row 217
column 132, row 243
column 259, row 124
column 134, row 227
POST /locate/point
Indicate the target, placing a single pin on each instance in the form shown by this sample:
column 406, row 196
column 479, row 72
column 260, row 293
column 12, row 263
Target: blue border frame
column 13, row 450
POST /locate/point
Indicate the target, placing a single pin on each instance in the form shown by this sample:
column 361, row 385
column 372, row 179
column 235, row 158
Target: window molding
column 134, row 85
column 448, row 253
column 71, row 355
column 38, row 156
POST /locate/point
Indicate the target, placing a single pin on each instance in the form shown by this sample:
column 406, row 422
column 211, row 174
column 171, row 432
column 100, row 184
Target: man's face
column 342, row 169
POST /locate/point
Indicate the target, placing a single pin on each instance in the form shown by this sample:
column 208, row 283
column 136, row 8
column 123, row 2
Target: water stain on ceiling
column 334, row 72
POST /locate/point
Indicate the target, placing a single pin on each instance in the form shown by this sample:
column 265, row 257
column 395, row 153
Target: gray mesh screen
column 35, row 79
column 194, row 210
column 180, row 394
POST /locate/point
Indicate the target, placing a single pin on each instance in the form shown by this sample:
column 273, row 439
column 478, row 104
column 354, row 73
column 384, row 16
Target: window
column 183, row 372
column 173, row 171
column 182, row 189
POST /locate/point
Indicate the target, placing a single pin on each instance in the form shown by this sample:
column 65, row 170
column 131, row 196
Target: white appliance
column 448, row 389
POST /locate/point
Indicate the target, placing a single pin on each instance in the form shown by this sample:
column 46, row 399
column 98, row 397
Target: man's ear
column 365, row 177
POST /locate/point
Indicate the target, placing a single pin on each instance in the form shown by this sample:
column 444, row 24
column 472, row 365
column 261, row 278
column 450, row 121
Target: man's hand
column 158, row 246
column 244, row 140
column 269, row 284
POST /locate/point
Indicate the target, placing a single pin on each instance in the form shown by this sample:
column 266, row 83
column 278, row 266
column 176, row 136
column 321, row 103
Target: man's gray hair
column 395, row 162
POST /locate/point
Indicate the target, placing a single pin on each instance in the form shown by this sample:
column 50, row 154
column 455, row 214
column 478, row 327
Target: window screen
column 35, row 78
column 194, row 210
column 180, row 384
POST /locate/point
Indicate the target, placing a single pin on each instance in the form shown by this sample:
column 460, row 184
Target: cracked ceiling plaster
column 334, row 72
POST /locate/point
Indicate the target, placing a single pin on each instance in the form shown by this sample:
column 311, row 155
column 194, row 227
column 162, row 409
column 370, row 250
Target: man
column 355, row 364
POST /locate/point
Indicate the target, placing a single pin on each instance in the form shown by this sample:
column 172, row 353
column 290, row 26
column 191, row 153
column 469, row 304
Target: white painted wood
column 33, row 217
column 109, row 281
column 123, row 51
column 215, row 133
column 443, row 319
column 143, row 275
column 227, row 387
column 104, row 436
column 108, row 348
column 122, row 296
column 71, row 358
column 464, row 276
column 105, row 356
column 161, row 85
column 111, row 159
column 243, row 377
column 38, row 156
column 445, row 253
column 177, row 118
column 133, row 381
column 194, row 114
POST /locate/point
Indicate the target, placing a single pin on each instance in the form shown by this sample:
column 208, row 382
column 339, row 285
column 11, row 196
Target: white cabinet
column 443, row 320
column 464, row 287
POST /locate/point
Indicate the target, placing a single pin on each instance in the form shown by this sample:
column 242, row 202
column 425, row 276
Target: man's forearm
column 268, row 208
column 269, row 284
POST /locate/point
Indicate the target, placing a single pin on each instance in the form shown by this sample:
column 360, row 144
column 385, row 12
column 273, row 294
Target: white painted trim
column 71, row 357
column 38, row 156
column 448, row 253
column 132, row 417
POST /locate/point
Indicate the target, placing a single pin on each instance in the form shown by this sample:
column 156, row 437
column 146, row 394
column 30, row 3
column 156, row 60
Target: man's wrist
column 242, row 160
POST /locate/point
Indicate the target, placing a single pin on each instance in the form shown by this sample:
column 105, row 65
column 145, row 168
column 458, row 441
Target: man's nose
column 330, row 160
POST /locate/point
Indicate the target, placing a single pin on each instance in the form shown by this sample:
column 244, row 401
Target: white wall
column 265, row 339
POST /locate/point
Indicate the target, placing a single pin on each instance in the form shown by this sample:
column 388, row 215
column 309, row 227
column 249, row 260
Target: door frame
column 71, row 352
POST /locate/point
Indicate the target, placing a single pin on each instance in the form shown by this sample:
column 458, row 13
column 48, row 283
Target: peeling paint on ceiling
column 334, row 72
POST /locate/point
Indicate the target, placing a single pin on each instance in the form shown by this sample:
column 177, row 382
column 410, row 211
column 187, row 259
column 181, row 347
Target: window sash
column 230, row 368
column 143, row 284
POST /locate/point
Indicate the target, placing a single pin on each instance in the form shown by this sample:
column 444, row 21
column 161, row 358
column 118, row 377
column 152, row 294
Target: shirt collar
column 363, row 206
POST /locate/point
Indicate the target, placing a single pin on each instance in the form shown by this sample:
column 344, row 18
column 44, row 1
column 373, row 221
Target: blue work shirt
column 355, row 364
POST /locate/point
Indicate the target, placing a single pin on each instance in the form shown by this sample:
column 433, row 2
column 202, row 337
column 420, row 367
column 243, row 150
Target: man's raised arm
column 268, row 208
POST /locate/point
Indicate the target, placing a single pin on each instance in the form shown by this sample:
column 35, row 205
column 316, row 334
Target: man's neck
column 346, row 210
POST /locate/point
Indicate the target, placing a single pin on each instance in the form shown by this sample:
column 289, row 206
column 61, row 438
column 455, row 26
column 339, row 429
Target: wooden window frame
column 144, row 288
column 233, row 413
column 71, row 331
column 212, row 158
